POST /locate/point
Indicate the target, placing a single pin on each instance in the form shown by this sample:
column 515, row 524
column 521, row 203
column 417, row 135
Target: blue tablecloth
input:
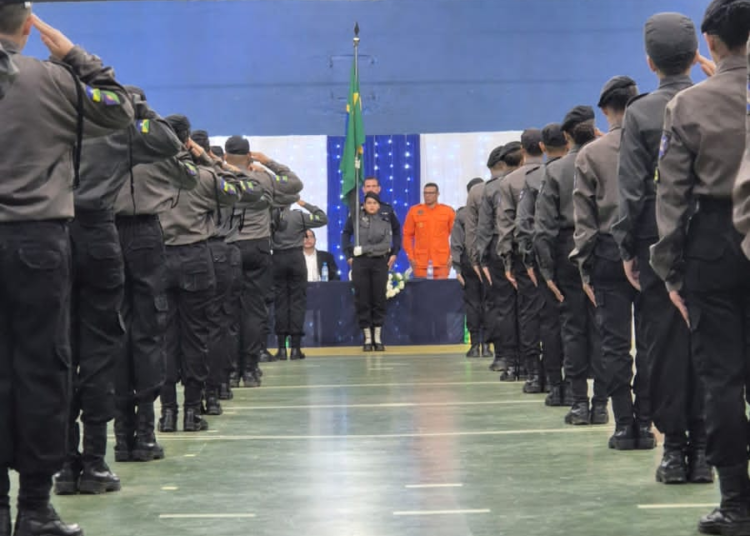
column 424, row 312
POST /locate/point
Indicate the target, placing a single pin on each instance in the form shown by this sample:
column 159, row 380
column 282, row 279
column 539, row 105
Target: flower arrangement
column 395, row 285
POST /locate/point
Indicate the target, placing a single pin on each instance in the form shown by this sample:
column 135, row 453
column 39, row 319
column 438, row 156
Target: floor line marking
column 424, row 486
column 169, row 488
column 570, row 430
column 206, row 516
column 415, row 384
column 186, row 455
column 389, row 405
column 440, row 512
column 675, row 505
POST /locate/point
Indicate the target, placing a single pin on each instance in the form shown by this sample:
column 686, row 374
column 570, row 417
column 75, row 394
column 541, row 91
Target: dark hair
column 181, row 126
column 311, row 232
column 676, row 65
column 431, row 184
column 618, row 99
column 582, row 133
column 371, row 179
column 552, row 136
column 218, row 150
column 513, row 159
column 12, row 17
column 530, row 140
column 201, row 138
column 729, row 20
column 473, row 182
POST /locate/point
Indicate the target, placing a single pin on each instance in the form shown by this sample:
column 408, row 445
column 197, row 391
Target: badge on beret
column 664, row 145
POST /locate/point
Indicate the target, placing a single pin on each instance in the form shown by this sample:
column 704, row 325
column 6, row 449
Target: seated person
column 315, row 260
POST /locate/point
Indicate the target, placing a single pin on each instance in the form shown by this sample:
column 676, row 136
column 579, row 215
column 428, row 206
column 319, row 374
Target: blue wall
column 280, row 67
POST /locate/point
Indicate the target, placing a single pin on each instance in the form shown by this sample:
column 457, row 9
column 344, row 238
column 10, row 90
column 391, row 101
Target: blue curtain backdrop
column 395, row 161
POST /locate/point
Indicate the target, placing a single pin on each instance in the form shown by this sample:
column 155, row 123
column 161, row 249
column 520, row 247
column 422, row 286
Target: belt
column 137, row 218
column 95, row 216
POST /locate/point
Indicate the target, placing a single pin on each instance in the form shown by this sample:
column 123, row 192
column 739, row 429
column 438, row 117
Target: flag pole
column 357, row 161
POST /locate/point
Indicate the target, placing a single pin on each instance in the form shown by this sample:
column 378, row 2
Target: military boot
column 579, row 414
column 213, row 406
column 124, row 433
column 43, row 521
column 146, row 448
column 732, row 517
column 66, row 480
column 533, row 382
column 96, row 477
column 193, row 422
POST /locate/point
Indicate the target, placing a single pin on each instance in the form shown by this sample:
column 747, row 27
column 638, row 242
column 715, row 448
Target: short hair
column 371, row 179
column 584, row 132
column 729, row 20
column 530, row 139
column 473, row 182
column 311, row 232
column 12, row 17
column 514, row 158
column 431, row 185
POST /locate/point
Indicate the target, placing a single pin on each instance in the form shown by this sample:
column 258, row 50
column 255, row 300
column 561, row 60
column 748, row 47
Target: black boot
column 296, row 354
column 193, row 422
column 699, row 471
column 367, row 338
column 568, row 398
column 213, row 406
column 124, row 432
column 96, row 477
column 672, row 468
column 474, row 351
column 646, row 438
column 555, row 396
column 234, row 379
column 66, row 481
column 146, row 447
column 533, row 382
column 225, row 392
column 578, row 414
column 512, row 369
column 486, row 350
column 43, row 522
column 250, row 379
column 732, row 517
column 5, row 528
column 599, row 413
column 624, row 438
column 265, row 356
column 499, row 364
column 281, row 355
column 168, row 421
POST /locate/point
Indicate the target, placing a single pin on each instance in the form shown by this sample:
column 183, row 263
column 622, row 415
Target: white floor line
column 375, row 369
column 440, row 512
column 389, row 405
column 676, row 506
column 206, row 516
column 169, row 488
column 415, row 384
column 426, row 486
column 568, row 430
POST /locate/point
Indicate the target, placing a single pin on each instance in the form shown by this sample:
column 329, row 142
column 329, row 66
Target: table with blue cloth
column 424, row 312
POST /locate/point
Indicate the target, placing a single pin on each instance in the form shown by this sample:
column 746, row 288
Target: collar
column 731, row 63
column 533, row 161
column 10, row 46
column 677, row 80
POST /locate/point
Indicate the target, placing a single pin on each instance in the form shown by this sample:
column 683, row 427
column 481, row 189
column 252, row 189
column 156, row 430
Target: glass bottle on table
column 430, row 270
column 324, row 272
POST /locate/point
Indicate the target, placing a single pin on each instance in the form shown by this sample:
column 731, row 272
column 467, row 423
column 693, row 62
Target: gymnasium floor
column 412, row 442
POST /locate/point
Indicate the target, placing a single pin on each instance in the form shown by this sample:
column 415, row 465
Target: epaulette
column 632, row 100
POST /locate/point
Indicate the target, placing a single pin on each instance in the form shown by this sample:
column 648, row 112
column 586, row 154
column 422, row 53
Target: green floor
column 387, row 446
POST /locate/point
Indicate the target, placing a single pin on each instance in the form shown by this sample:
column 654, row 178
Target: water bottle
column 430, row 270
column 324, row 272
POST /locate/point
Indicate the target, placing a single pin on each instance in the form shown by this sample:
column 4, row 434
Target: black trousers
column 191, row 285
column 257, row 290
column 530, row 304
column 676, row 394
column 475, row 303
column 717, row 293
column 141, row 360
column 35, row 355
column 580, row 336
column 98, row 330
column 502, row 309
column 370, row 275
column 550, row 334
column 290, row 287
column 642, row 380
column 222, row 342
column 615, row 297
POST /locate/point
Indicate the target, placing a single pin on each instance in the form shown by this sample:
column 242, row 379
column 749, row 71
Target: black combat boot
column 193, row 422
column 265, row 356
column 486, row 350
column 146, row 448
column 43, row 521
column 234, row 379
column 732, row 517
column 579, row 414
column 168, row 420
column 699, row 471
column 672, row 468
column 646, row 438
column 250, row 379
column 213, row 406
column 475, row 350
column 533, row 384
column 367, row 338
column 555, row 396
column 512, row 369
column 624, row 438
column 96, row 477
column 66, row 480
column 599, row 413
column 568, row 398
column 225, row 392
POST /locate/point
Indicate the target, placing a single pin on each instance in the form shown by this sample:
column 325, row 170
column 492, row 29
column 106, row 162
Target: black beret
column 181, row 126
column 237, row 145
column 473, row 182
column 495, row 157
column 669, row 37
column 614, row 87
column 530, row 139
column 372, row 195
column 576, row 116
column 201, row 138
column 552, row 136
column 217, row 150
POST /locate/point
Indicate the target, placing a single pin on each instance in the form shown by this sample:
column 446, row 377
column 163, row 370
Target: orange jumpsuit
column 426, row 235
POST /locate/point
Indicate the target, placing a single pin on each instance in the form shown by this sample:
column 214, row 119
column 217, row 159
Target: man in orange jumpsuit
column 427, row 233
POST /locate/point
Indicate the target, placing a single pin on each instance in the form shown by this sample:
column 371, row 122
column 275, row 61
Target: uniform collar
column 731, row 63
column 533, row 161
column 677, row 80
column 10, row 46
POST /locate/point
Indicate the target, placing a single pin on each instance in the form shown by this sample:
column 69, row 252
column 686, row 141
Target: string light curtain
column 395, row 161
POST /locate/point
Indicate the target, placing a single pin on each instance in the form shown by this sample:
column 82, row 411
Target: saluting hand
column 260, row 157
column 707, row 66
column 59, row 45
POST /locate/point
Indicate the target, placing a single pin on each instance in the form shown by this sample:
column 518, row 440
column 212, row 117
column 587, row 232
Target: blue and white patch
column 664, row 145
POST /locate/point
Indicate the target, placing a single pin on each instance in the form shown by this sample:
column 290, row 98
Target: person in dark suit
column 315, row 260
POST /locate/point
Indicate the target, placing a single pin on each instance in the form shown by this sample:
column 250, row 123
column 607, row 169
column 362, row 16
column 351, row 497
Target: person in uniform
column 502, row 301
column 529, row 301
column 191, row 283
column 290, row 274
column 554, row 229
column 595, row 203
column 555, row 146
column 473, row 204
column 8, row 72
column 47, row 111
column 98, row 287
column 699, row 254
column 427, row 232
column 675, row 391
column 473, row 290
column 370, row 270
column 250, row 231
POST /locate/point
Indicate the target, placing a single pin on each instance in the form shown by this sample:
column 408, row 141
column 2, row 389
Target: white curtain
column 452, row 160
column 306, row 156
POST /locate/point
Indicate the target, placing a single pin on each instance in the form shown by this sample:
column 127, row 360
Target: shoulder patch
column 664, row 145
column 191, row 169
column 108, row 98
column 144, row 126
